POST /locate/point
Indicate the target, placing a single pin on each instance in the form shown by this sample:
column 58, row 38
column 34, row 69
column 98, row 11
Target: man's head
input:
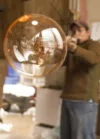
column 80, row 30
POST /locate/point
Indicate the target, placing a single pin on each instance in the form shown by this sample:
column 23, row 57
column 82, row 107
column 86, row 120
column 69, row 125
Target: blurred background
column 30, row 108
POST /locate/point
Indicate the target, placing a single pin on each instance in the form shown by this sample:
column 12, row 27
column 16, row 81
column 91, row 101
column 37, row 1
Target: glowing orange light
column 24, row 18
column 8, row 50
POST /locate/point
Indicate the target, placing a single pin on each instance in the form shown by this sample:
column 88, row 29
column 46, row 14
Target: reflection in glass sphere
column 34, row 45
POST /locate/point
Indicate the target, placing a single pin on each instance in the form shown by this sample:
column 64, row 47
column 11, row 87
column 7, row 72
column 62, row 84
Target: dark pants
column 78, row 120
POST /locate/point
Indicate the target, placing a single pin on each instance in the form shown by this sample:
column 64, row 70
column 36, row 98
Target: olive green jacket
column 83, row 72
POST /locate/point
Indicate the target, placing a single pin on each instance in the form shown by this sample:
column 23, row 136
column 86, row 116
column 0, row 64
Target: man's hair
column 77, row 25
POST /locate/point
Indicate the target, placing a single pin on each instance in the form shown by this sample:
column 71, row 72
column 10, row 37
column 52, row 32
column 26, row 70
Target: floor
column 23, row 127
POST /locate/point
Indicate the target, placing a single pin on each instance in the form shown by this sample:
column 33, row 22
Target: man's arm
column 90, row 56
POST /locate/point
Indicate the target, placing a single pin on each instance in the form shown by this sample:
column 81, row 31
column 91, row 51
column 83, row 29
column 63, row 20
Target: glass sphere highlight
column 34, row 45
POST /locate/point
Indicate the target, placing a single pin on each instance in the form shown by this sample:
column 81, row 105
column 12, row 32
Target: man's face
column 81, row 34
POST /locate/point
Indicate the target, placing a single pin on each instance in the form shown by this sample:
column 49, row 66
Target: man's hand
column 71, row 44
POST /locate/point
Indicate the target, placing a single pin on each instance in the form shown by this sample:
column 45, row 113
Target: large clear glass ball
column 34, row 45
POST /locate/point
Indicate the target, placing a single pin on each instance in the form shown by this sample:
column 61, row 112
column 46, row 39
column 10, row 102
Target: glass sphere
column 34, row 45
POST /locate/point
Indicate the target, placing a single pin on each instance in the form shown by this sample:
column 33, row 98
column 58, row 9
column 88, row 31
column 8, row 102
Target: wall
column 11, row 9
column 93, row 8
column 56, row 9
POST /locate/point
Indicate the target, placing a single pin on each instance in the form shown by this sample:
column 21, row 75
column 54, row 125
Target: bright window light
column 34, row 22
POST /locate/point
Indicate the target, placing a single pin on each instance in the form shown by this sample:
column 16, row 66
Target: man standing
column 80, row 95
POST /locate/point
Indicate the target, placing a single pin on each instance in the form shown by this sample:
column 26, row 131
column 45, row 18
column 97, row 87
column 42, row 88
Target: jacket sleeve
column 65, row 63
column 90, row 55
